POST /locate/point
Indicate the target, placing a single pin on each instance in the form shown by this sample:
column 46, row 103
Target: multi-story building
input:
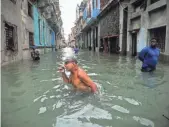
column 71, row 37
column 79, row 24
column 24, row 25
column 90, row 27
column 126, row 26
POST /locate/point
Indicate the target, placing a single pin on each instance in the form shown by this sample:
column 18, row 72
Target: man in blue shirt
column 149, row 56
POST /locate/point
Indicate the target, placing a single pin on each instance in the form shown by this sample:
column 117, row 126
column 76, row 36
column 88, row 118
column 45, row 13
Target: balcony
column 85, row 14
column 95, row 13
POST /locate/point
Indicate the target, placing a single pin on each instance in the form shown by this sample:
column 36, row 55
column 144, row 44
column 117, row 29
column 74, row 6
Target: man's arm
column 143, row 53
column 87, row 81
column 65, row 78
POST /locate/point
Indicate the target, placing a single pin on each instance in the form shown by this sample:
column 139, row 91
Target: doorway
column 134, row 44
column 113, row 44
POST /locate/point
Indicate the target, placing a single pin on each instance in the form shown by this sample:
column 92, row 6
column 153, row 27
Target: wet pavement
column 34, row 95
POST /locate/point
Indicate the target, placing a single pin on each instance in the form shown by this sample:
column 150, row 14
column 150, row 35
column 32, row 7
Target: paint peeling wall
column 11, row 13
column 109, row 24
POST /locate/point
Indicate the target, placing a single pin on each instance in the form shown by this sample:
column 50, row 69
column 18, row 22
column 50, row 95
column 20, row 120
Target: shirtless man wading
column 78, row 77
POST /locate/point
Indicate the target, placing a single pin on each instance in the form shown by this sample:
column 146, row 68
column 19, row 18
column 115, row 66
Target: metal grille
column 160, row 35
column 31, row 42
column 11, row 42
column 9, row 37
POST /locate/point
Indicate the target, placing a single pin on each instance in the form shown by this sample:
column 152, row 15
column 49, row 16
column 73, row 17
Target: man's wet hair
column 71, row 60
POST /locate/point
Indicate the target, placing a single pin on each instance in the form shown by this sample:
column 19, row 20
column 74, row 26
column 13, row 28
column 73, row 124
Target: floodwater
column 34, row 95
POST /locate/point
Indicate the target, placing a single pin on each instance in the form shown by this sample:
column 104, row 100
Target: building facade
column 148, row 19
column 126, row 26
column 23, row 26
column 11, row 41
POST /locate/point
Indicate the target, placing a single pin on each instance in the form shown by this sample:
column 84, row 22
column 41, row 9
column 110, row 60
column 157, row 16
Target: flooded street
column 34, row 95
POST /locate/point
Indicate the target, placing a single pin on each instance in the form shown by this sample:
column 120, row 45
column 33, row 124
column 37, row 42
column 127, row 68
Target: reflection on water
column 33, row 94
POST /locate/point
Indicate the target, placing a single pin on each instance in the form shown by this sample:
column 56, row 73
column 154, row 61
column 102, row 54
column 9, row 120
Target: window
column 31, row 41
column 160, row 35
column 30, row 10
column 13, row 1
column 10, row 33
column 154, row 1
column 40, row 32
column 139, row 4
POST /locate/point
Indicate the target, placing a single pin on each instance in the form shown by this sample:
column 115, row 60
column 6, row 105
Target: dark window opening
column 10, row 37
column 30, row 10
column 160, row 35
column 31, row 39
column 154, row 1
column 139, row 4
column 13, row 1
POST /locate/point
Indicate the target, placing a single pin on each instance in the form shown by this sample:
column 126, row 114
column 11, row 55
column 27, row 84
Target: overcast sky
column 68, row 11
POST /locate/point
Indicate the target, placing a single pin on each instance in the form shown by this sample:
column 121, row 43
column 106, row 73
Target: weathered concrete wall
column 158, row 18
column 10, row 13
column 109, row 23
column 155, row 15
column 27, row 26
column 167, row 32
column 122, row 8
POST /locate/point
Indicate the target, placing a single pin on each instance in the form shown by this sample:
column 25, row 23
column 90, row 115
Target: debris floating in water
column 42, row 110
column 166, row 117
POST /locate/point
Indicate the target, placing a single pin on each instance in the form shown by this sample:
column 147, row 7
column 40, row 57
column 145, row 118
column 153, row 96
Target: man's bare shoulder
column 81, row 72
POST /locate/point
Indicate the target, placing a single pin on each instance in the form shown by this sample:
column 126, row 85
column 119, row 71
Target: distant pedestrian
column 76, row 50
column 149, row 56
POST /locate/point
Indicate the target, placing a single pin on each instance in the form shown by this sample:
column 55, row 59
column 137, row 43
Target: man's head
column 70, row 64
column 153, row 43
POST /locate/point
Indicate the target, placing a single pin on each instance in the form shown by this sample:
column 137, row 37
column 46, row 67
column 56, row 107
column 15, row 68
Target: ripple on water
column 90, row 111
column 46, row 92
column 36, row 99
column 55, row 87
column 92, row 74
column 52, row 97
column 60, row 122
column 42, row 110
column 43, row 99
column 143, row 121
column 85, row 67
column 132, row 101
column 120, row 109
